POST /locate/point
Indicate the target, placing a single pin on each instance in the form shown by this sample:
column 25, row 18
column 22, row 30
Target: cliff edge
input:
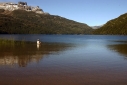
column 21, row 6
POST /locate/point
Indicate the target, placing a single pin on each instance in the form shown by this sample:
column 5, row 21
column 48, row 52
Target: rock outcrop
column 21, row 6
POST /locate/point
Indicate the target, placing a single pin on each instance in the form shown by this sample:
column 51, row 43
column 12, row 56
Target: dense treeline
column 116, row 26
column 22, row 22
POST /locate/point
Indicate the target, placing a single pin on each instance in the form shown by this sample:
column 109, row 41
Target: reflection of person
column 38, row 42
column 38, row 46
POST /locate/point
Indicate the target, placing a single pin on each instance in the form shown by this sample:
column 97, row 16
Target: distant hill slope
column 96, row 27
column 116, row 26
column 23, row 22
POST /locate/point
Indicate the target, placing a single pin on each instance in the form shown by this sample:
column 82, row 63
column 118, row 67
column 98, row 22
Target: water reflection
column 38, row 46
column 120, row 48
column 28, row 52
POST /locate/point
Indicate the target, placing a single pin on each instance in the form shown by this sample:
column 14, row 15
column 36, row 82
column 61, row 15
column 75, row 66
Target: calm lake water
column 64, row 60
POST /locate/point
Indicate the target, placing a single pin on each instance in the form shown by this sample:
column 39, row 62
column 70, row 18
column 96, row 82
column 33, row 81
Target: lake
column 64, row 60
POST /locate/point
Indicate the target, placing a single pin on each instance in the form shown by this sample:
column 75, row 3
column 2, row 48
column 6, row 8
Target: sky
column 90, row 12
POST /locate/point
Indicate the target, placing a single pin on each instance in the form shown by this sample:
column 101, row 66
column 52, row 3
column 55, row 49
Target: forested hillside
column 23, row 22
column 116, row 26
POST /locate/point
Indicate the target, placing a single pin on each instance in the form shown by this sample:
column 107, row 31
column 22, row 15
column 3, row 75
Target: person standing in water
column 38, row 42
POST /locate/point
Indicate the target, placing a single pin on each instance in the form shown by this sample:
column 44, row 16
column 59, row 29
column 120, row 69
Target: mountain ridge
column 24, row 22
column 117, row 26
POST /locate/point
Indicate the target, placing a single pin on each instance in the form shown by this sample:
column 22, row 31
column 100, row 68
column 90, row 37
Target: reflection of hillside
column 120, row 48
column 26, row 53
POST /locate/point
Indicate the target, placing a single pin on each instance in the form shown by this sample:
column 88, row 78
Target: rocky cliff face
column 21, row 6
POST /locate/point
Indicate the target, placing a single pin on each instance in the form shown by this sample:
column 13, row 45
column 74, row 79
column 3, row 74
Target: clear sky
column 91, row 12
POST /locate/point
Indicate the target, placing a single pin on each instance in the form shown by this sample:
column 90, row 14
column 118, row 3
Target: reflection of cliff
column 26, row 53
column 22, row 61
column 120, row 48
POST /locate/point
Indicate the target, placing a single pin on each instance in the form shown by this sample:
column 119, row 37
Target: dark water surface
column 64, row 60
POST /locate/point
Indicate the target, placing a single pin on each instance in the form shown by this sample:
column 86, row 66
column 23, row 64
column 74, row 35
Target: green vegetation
column 23, row 22
column 6, row 42
column 116, row 26
column 12, row 42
